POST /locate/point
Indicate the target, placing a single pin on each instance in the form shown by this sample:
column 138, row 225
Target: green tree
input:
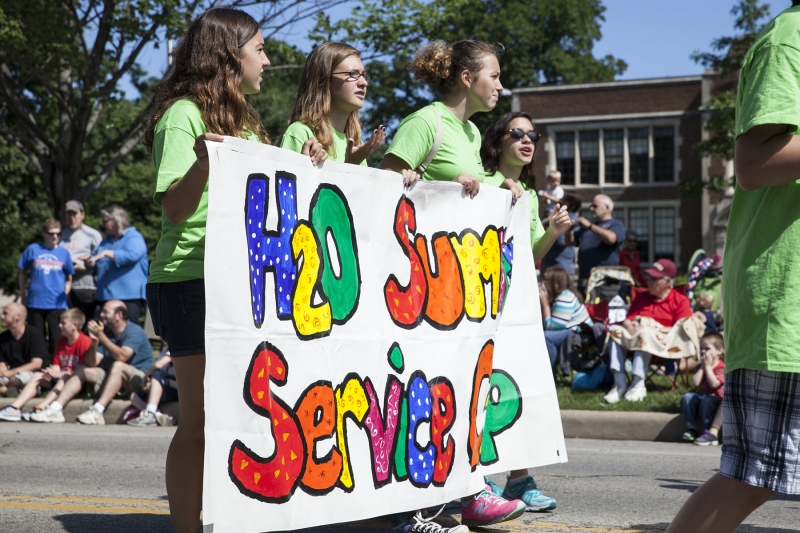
column 544, row 42
column 61, row 65
column 725, row 60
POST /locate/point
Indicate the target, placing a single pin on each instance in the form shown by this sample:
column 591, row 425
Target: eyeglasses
column 54, row 233
column 518, row 134
column 354, row 75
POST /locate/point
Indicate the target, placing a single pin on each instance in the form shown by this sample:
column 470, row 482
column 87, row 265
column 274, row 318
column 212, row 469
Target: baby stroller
column 605, row 282
column 705, row 276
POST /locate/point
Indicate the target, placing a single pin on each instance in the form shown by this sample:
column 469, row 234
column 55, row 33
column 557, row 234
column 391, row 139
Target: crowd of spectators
column 78, row 324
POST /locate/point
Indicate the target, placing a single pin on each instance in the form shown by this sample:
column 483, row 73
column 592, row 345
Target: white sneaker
column 636, row 394
column 48, row 415
column 10, row 414
column 91, row 417
column 613, row 395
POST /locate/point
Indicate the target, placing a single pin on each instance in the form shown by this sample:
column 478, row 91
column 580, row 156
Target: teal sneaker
column 527, row 491
column 497, row 490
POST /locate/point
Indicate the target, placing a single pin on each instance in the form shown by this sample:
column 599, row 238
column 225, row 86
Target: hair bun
column 432, row 62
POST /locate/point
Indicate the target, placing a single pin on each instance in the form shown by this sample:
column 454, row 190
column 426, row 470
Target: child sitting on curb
column 161, row 387
column 708, row 380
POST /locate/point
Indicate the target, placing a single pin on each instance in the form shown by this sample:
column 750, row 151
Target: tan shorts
column 24, row 377
column 135, row 378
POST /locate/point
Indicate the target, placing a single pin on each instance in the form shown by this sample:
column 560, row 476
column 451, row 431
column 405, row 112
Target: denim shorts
column 178, row 311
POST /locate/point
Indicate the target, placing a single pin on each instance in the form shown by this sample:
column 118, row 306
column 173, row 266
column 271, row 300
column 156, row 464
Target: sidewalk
column 610, row 425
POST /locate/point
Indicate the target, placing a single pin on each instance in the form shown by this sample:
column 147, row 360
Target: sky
column 654, row 37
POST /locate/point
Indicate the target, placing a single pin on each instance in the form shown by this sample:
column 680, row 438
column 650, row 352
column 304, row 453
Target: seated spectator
column 562, row 310
column 51, row 270
column 160, row 387
column 120, row 359
column 80, row 240
column 22, row 349
column 562, row 253
column 553, row 194
column 711, row 436
column 661, row 304
column 698, row 408
column 599, row 240
column 629, row 257
column 121, row 263
column 70, row 351
column 703, row 305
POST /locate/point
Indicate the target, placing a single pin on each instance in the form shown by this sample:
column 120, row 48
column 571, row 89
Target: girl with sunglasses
column 332, row 90
column 466, row 78
column 217, row 63
column 507, row 153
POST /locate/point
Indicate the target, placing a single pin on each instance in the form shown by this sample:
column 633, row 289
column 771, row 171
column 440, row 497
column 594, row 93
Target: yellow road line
column 517, row 525
column 81, row 508
column 121, row 501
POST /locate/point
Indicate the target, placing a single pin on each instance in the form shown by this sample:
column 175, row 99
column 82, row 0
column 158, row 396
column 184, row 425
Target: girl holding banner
column 434, row 141
column 507, row 153
column 202, row 97
column 332, row 90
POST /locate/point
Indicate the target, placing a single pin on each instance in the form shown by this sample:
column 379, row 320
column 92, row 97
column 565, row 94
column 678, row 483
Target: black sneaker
column 690, row 435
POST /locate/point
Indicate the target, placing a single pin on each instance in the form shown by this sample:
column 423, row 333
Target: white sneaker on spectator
column 636, row 394
column 91, row 417
column 48, row 415
column 613, row 395
column 10, row 414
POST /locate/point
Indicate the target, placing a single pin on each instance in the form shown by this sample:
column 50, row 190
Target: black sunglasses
column 354, row 75
column 518, row 134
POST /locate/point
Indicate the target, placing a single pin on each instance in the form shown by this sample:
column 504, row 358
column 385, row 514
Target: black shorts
column 178, row 311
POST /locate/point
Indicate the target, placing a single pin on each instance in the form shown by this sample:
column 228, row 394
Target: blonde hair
column 75, row 316
column 554, row 175
column 313, row 104
column 49, row 224
column 440, row 65
column 704, row 302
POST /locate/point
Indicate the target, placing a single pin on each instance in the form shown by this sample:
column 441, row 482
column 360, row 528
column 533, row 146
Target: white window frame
column 619, row 207
column 566, row 127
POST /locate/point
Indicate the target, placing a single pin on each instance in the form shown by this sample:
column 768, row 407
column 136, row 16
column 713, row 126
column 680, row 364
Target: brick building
column 632, row 140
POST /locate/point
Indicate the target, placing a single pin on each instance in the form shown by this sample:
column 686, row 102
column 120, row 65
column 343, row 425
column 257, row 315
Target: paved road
column 47, row 485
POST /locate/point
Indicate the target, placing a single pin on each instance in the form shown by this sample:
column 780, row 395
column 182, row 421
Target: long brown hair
column 207, row 69
column 557, row 281
column 313, row 104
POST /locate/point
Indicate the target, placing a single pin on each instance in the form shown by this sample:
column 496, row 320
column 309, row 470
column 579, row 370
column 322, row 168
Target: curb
column 577, row 424
column 112, row 414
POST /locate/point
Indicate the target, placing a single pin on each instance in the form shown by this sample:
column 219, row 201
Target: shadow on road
column 119, row 523
column 744, row 528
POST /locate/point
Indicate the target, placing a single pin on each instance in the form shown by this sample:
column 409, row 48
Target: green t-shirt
column 298, row 133
column 181, row 249
column 537, row 230
column 459, row 152
column 761, row 285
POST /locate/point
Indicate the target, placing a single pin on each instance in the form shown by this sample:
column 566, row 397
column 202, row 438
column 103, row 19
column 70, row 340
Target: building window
column 639, row 221
column 639, row 150
column 616, row 156
column 565, row 156
column 663, row 233
column 590, row 156
column 664, row 154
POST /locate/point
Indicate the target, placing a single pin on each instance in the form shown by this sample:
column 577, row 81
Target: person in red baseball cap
column 663, row 305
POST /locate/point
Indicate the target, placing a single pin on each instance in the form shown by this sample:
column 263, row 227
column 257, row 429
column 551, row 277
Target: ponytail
column 440, row 65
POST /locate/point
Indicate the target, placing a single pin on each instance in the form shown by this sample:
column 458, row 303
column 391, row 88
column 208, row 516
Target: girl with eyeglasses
column 507, row 154
column 218, row 61
column 466, row 78
column 332, row 91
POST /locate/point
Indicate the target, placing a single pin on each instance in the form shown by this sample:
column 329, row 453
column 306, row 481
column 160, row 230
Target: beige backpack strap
column 437, row 142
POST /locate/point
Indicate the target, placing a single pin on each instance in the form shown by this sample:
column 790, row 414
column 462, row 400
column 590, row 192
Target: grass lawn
column 661, row 402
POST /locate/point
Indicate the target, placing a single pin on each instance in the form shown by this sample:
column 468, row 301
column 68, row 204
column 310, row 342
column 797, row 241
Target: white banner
column 370, row 349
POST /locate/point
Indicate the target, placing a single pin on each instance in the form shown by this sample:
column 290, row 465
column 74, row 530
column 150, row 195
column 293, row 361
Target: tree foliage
column 544, row 43
column 725, row 60
column 61, row 66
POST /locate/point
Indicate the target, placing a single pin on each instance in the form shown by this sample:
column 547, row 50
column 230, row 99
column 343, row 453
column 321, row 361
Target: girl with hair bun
column 201, row 98
column 440, row 143
column 466, row 78
column 332, row 90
